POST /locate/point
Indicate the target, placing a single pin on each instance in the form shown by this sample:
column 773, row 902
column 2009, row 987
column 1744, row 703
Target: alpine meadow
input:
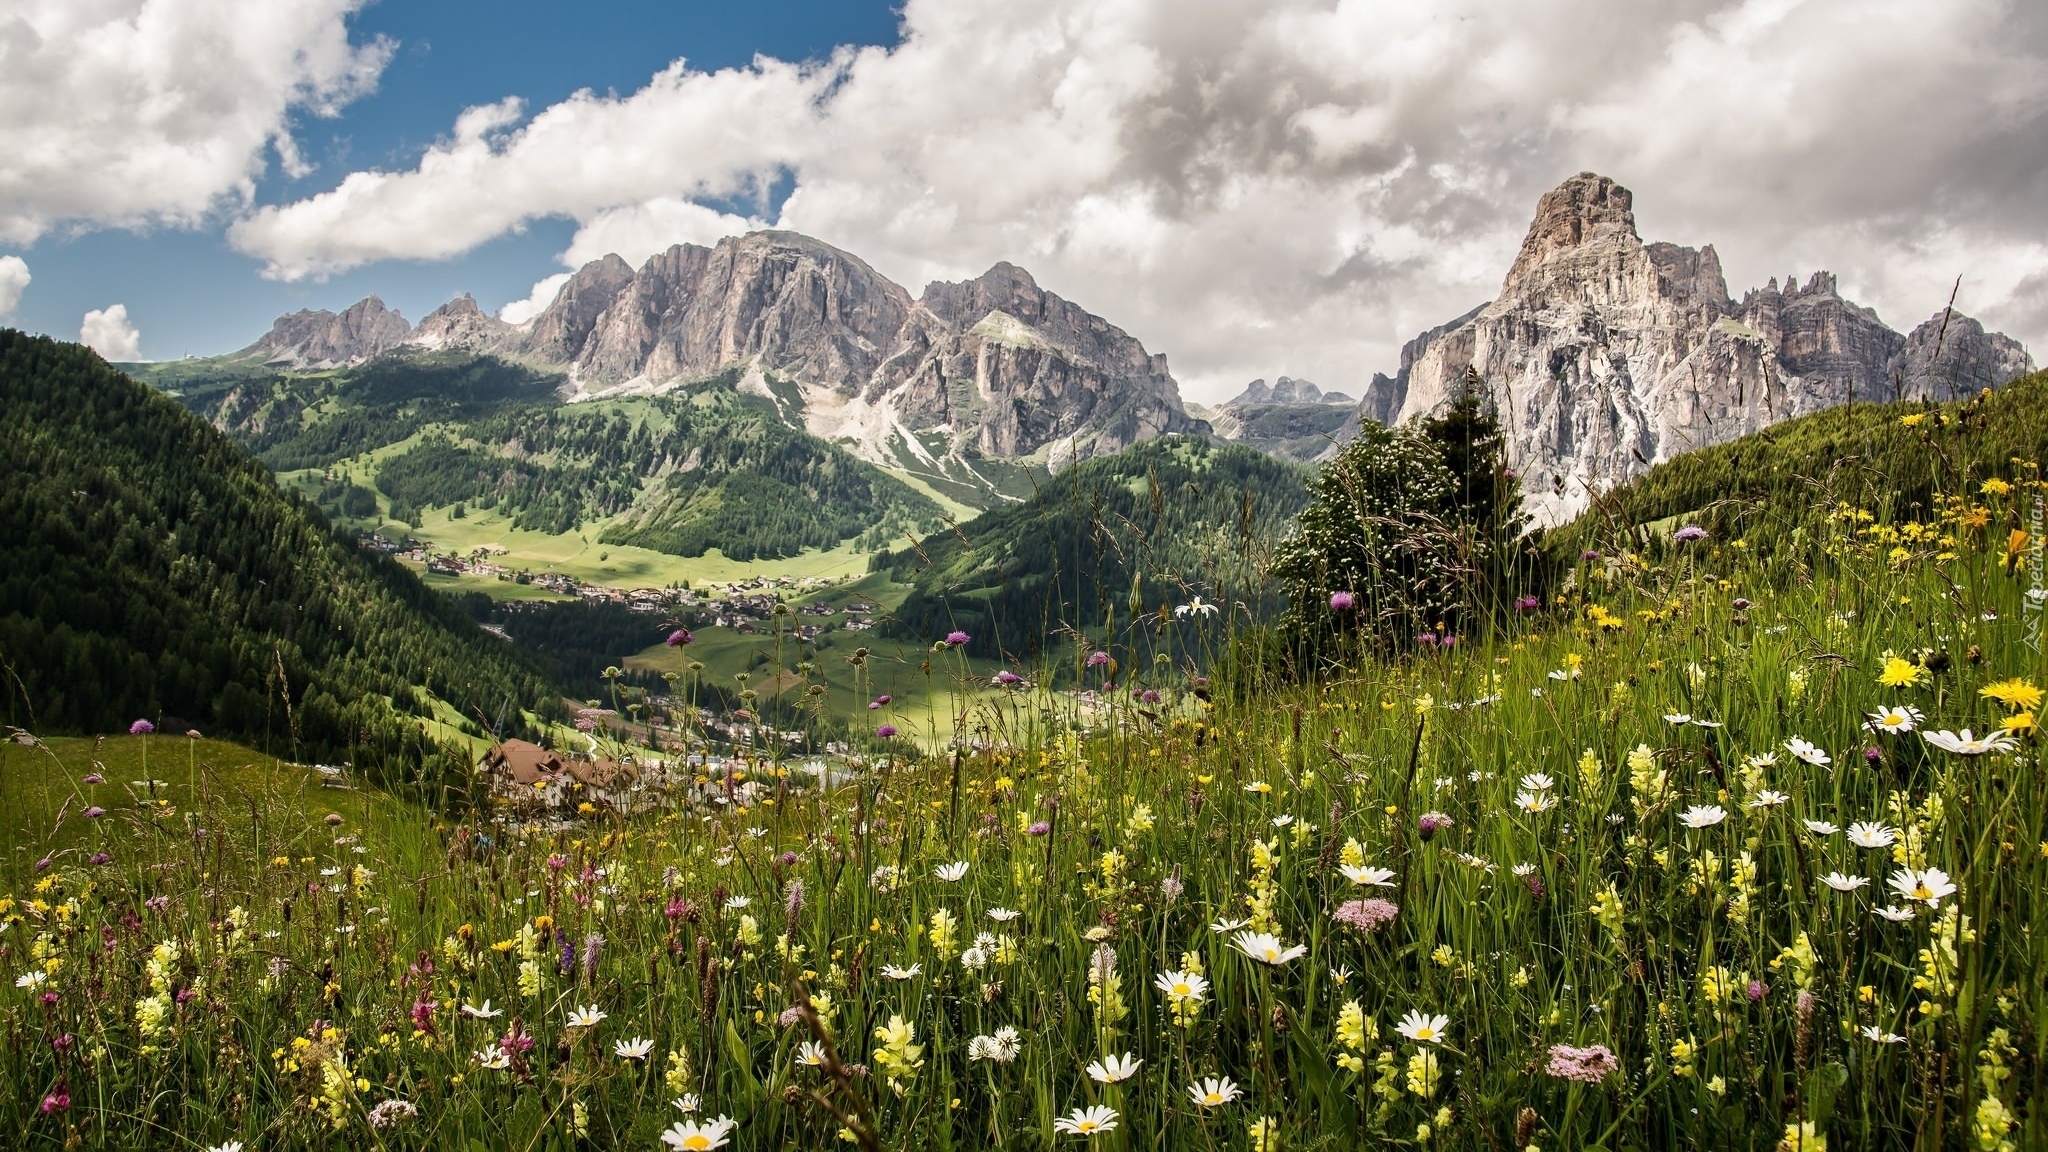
column 728, row 696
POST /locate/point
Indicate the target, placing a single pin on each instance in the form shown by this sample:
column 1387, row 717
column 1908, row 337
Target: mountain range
column 990, row 367
column 1603, row 353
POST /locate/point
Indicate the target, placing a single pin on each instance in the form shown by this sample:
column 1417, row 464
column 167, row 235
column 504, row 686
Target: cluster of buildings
column 529, row 780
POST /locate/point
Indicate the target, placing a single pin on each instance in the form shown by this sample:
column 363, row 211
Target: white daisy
column 1810, row 752
column 634, row 1049
column 1964, row 744
column 1367, row 876
column 1894, row 914
column 951, row 873
column 1841, row 883
column 1871, row 834
column 1214, row 1092
column 1266, row 948
column 1111, row 1069
column 1088, row 1122
column 1702, row 816
column 692, row 1137
column 1423, row 1029
column 1929, row 886
column 1892, row 720
column 895, row 973
column 1003, row 915
column 587, row 1016
column 1873, row 1032
column 1821, row 827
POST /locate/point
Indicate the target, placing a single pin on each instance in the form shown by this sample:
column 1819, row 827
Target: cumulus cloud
column 1263, row 186
column 108, row 332
column 139, row 112
column 14, row 280
column 543, row 294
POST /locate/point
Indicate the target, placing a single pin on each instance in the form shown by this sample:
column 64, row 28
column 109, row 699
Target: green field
column 261, row 806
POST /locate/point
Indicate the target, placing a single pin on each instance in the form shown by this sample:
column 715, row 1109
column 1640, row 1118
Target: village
column 525, row 780
column 741, row 605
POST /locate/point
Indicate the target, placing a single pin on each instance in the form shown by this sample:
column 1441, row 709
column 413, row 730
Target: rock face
column 995, row 365
column 1606, row 355
column 460, row 325
column 991, row 367
column 1289, row 418
column 323, row 339
column 1285, row 390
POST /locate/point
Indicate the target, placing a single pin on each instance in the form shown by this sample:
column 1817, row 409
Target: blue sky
column 1251, row 187
column 187, row 291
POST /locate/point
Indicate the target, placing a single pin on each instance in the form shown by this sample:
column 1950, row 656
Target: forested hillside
column 151, row 568
column 705, row 466
column 1112, row 538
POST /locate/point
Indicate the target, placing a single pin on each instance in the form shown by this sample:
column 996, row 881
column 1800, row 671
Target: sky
column 1253, row 187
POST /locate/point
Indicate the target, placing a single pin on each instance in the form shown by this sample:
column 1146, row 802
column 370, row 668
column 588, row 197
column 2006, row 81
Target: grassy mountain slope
column 1109, row 538
column 1766, row 485
column 150, row 567
column 680, row 473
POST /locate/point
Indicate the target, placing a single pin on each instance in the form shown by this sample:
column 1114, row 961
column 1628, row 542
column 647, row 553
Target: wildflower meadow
column 1718, row 838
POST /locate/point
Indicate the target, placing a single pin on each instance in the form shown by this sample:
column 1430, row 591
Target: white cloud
column 137, row 112
column 1264, row 186
column 543, row 294
column 14, row 280
column 108, row 332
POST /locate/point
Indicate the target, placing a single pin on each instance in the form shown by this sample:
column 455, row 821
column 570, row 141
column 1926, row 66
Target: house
column 524, row 773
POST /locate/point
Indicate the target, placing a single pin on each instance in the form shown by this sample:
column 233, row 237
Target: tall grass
column 196, row 992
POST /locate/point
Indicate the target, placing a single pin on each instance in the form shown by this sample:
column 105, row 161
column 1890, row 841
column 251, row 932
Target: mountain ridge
column 1607, row 354
column 994, row 365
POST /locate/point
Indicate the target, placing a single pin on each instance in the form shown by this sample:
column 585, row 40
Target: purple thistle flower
column 886, row 731
column 1527, row 603
column 1149, row 696
column 1430, row 823
column 94, row 812
column 1589, row 554
column 141, row 728
column 1757, row 990
column 1426, row 639
column 95, row 778
column 1007, row 678
column 1689, row 533
column 1585, row 1065
column 680, row 637
column 1872, row 755
column 99, row 858
column 1366, row 915
column 1097, row 659
column 1038, row 828
column 1742, row 603
column 956, row 639
column 1342, row 601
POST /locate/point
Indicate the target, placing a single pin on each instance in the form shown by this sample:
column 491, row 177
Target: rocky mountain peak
column 318, row 338
column 1586, row 208
column 460, row 324
column 1606, row 355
